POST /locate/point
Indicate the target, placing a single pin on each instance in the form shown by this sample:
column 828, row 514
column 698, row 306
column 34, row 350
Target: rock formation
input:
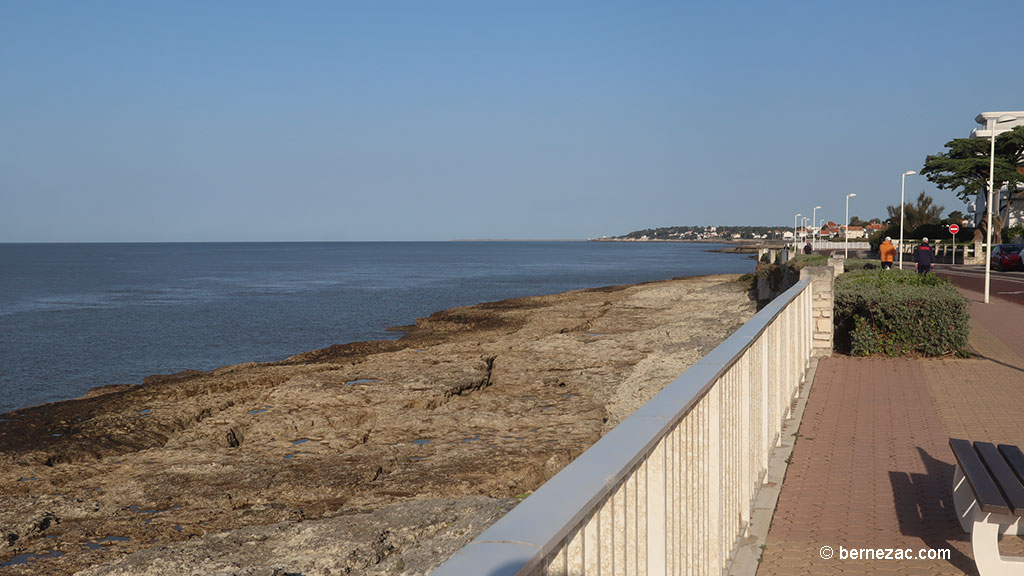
column 366, row 458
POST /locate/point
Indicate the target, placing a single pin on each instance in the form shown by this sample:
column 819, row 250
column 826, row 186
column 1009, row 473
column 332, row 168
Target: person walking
column 887, row 252
column 924, row 256
column 808, row 249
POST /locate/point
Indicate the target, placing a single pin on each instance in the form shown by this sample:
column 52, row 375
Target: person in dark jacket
column 924, row 256
column 808, row 249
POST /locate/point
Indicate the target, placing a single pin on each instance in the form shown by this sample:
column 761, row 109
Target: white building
column 988, row 120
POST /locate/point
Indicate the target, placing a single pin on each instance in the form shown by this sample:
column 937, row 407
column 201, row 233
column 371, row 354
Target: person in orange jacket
column 888, row 252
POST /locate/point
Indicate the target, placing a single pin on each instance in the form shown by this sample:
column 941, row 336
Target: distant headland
column 700, row 234
column 747, row 239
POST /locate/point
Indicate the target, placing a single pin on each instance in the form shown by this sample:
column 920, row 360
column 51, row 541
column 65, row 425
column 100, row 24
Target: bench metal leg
column 963, row 500
column 985, row 544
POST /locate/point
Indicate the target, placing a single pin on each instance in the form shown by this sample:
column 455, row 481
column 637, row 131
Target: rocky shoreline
column 379, row 457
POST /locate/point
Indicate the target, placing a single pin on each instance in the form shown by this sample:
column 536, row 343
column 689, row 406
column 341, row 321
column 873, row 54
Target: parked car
column 1007, row 257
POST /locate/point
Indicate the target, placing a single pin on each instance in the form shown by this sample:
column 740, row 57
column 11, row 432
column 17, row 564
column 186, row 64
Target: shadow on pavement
column 983, row 357
column 924, row 508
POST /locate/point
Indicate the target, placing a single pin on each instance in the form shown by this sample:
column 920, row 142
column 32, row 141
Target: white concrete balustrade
column 858, row 244
column 670, row 490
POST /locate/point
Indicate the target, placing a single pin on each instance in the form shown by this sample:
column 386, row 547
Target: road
column 1005, row 285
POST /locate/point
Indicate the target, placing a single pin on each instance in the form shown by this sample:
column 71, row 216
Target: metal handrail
column 521, row 542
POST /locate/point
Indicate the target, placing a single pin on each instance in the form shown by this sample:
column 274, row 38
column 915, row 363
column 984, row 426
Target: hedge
column 852, row 264
column 897, row 312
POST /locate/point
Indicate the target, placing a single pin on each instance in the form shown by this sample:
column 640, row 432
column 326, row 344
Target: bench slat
column 1007, row 481
column 985, row 490
column 1015, row 458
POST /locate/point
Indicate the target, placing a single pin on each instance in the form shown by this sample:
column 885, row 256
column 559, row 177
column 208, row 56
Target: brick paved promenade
column 872, row 467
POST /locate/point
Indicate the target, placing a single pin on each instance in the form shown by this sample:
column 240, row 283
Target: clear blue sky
column 209, row 121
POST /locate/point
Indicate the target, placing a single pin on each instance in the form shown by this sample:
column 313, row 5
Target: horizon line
column 287, row 241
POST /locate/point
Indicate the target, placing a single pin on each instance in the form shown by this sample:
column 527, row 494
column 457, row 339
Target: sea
column 77, row 316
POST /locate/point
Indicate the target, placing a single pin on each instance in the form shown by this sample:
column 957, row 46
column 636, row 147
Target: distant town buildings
column 707, row 233
column 831, row 230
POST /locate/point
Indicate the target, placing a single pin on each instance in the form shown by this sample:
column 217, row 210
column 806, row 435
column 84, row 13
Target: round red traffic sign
column 953, row 228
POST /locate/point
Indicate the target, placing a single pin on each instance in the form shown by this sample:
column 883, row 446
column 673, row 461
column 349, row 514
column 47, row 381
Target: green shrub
column 861, row 264
column 780, row 277
column 932, row 230
column 1012, row 232
column 897, row 312
column 750, row 280
column 866, row 339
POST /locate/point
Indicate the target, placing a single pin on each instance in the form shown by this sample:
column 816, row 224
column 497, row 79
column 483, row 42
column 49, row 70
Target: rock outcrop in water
column 366, row 458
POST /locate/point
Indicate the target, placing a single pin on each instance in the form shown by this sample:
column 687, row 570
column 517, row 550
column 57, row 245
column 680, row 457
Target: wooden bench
column 988, row 493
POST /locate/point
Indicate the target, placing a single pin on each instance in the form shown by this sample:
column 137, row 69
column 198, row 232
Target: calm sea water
column 76, row 316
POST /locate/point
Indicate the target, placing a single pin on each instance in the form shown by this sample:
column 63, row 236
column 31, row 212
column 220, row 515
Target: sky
column 365, row 121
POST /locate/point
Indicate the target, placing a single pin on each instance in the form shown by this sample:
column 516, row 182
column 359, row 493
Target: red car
column 1007, row 257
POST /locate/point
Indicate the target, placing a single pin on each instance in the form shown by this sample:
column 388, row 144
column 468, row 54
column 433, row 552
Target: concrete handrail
column 672, row 486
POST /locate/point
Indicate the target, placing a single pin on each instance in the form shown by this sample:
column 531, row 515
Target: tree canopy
column 963, row 168
column 924, row 211
column 954, row 217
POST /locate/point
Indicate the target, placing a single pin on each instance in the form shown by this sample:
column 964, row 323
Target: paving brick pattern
column 996, row 324
column 982, row 398
column 870, row 470
column 999, row 317
column 872, row 467
column 978, row 401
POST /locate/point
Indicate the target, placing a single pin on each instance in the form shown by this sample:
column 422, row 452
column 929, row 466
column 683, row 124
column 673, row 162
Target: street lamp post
column 814, row 221
column 794, row 228
column 903, row 187
column 991, row 123
column 846, row 234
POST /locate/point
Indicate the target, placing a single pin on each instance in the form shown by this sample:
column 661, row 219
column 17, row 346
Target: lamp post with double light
column 846, row 234
column 903, row 204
